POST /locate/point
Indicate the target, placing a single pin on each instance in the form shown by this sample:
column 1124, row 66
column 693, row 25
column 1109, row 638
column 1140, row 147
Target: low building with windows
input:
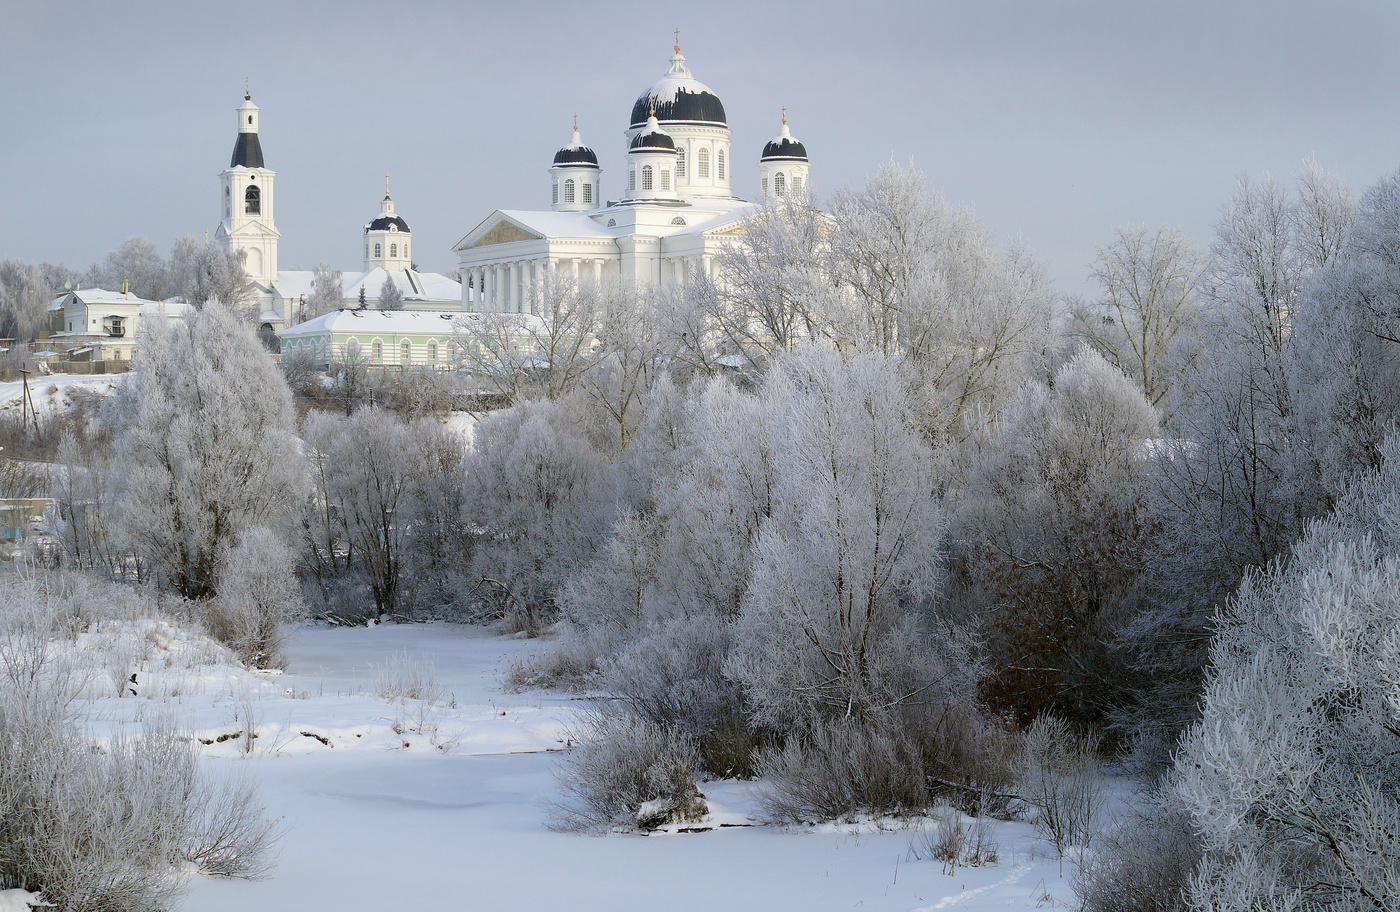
column 401, row 339
column 92, row 324
column 678, row 209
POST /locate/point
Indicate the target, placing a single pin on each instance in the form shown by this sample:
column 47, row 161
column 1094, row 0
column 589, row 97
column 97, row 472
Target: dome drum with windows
column 782, row 169
column 574, row 176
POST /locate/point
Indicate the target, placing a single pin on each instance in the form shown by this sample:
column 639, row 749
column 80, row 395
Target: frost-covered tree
column 1149, row 282
column 207, row 442
column 1289, row 775
column 390, row 297
column 26, row 289
column 925, row 280
column 137, row 263
column 829, row 626
column 776, row 290
column 537, row 497
column 327, row 292
column 370, row 464
column 524, row 358
column 1348, row 335
column 1056, row 536
column 200, row 271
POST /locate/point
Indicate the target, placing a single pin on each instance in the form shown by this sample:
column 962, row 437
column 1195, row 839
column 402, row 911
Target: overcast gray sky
column 1056, row 121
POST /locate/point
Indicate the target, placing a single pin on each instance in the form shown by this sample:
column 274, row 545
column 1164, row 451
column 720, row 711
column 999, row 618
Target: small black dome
column 653, row 140
column 384, row 221
column 575, row 155
column 784, row 148
column 247, row 152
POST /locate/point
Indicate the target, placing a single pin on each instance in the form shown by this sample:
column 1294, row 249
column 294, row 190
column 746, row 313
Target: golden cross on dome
column 678, row 41
column 575, row 121
column 784, row 115
column 246, row 92
column 386, row 184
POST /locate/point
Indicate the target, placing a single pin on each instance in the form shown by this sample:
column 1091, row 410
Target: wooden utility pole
column 26, row 406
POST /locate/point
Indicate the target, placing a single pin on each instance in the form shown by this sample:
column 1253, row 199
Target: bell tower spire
column 248, row 227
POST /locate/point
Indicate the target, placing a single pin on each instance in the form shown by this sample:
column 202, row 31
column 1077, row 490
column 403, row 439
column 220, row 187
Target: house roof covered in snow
column 403, row 322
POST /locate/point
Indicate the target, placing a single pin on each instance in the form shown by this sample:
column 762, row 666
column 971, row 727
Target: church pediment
column 254, row 230
column 503, row 232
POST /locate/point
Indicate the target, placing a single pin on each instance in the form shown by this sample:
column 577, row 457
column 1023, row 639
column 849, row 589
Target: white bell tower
column 247, row 225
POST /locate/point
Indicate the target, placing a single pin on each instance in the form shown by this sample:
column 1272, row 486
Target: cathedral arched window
column 393, row 250
column 646, row 177
column 702, row 164
column 377, row 249
column 228, row 203
column 569, row 190
column 796, row 184
column 555, row 199
column 719, row 162
column 405, row 251
column 765, row 185
column 378, row 351
column 779, row 184
column 680, row 164
column 432, row 349
column 665, row 179
column 407, row 348
column 632, row 179
column 587, row 191
column 252, row 201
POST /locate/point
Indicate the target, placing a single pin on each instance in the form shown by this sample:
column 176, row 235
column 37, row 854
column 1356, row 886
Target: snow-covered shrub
column 626, row 772
column 1060, row 776
column 1145, row 865
column 956, row 841
column 672, row 674
column 113, row 825
column 408, row 677
column 258, row 596
column 1289, row 776
column 841, row 767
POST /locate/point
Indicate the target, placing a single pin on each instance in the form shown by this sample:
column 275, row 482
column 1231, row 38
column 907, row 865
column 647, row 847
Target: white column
column 597, row 270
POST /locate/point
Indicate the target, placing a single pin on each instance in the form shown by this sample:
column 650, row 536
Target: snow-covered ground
column 51, row 392
column 379, row 815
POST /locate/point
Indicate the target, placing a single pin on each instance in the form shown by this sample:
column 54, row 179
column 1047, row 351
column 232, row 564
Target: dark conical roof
column 247, row 152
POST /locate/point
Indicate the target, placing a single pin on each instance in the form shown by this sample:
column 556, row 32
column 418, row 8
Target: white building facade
column 676, row 212
column 248, row 228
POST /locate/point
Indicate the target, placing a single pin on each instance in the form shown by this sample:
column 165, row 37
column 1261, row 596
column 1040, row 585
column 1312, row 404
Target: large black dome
column 679, row 97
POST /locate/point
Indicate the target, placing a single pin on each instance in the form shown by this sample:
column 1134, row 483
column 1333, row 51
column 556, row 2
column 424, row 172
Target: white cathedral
column 249, row 227
column 675, row 213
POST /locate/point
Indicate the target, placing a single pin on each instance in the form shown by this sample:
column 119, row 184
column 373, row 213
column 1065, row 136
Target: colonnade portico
column 507, row 287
